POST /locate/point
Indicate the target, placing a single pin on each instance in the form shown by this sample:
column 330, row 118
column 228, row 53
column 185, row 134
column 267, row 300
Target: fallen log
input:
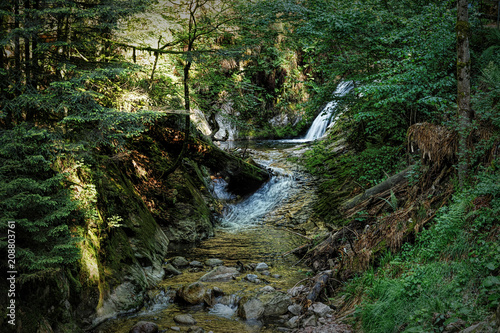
column 384, row 186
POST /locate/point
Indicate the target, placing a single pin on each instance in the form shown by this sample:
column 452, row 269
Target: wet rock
column 175, row 328
column 196, row 264
column 144, row 327
column 170, row 269
column 295, row 309
column 184, row 319
column 320, row 309
column 220, row 274
column 196, row 329
column 252, row 278
column 266, row 273
column 276, row 276
column 195, row 293
column 262, row 266
column 250, row 308
column 214, row 262
column 179, row 262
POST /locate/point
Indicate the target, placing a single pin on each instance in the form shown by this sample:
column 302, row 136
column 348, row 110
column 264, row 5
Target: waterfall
column 327, row 115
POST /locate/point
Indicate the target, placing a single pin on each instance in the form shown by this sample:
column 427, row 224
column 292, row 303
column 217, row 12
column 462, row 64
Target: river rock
column 252, row 278
column 262, row 266
column 196, row 329
column 276, row 276
column 214, row 262
column 220, row 274
column 293, row 322
column 179, row 262
column 267, row 289
column 144, row 327
column 320, row 309
column 170, row 269
column 195, row 293
column 250, row 308
column 295, row 309
column 175, row 328
column 275, row 303
column 311, row 321
column 218, row 292
column 196, row 264
column 184, row 319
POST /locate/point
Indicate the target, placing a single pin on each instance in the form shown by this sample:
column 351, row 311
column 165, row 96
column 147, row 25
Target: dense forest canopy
column 80, row 79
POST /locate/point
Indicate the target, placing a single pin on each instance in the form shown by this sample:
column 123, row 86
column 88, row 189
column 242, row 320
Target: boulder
column 144, row 327
column 295, row 309
column 275, row 303
column 184, row 319
column 220, row 274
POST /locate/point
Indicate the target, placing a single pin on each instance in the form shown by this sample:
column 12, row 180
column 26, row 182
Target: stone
column 266, row 273
column 275, row 303
column 193, row 293
column 170, row 269
column 214, row 262
column 295, row 291
column 196, row 329
column 218, row 292
column 321, row 309
column 267, row 289
column 144, row 327
column 220, row 274
column 196, row 264
column 311, row 321
column 179, row 262
column 262, row 266
column 250, row 308
column 175, row 328
column 295, row 309
column 276, row 276
column 184, row 319
column 251, row 277
column 293, row 322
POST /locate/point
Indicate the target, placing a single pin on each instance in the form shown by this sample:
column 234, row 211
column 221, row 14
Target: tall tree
column 463, row 83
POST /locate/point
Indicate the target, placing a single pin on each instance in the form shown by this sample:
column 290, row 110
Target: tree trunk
column 463, row 83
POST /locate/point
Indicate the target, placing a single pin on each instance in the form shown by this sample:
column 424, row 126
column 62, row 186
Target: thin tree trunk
column 463, row 84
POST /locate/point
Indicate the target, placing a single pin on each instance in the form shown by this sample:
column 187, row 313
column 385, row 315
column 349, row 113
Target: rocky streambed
column 245, row 278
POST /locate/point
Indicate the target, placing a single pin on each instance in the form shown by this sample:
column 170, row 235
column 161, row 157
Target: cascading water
column 326, row 116
column 251, row 210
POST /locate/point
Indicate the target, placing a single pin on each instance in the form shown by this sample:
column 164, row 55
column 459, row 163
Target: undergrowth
column 449, row 274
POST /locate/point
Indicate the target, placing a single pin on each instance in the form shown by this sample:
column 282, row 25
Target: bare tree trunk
column 463, row 84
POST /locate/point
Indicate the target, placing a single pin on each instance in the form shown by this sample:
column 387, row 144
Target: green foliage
column 35, row 198
column 450, row 273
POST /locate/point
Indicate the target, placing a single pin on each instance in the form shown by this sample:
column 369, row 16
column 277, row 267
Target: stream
column 258, row 228
column 252, row 230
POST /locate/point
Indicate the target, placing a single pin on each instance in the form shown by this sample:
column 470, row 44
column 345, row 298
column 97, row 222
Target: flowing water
column 251, row 231
column 248, row 233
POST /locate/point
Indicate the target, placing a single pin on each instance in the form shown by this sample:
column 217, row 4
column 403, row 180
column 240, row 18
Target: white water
column 327, row 116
